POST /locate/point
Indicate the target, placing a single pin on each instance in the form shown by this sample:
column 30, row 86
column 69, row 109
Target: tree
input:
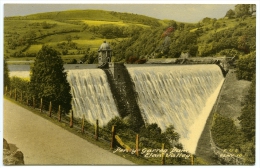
column 230, row 14
column 171, row 134
column 206, row 20
column 151, row 131
column 49, row 80
column 246, row 67
column 6, row 75
column 242, row 10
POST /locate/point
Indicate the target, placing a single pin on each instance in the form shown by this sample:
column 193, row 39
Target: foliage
column 225, row 133
column 171, row 134
column 242, row 43
column 118, row 122
column 230, row 14
column 19, row 83
column 6, row 75
column 248, row 151
column 49, row 80
column 247, row 121
column 73, row 61
column 246, row 66
column 242, row 10
column 153, row 133
column 90, row 57
column 209, row 39
column 247, row 118
column 133, row 35
column 46, row 25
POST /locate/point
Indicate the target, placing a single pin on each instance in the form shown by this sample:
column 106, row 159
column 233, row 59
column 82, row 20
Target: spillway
column 179, row 95
column 91, row 96
column 182, row 96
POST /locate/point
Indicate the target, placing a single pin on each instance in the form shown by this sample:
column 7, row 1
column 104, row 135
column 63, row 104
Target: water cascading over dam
column 182, row 96
column 92, row 96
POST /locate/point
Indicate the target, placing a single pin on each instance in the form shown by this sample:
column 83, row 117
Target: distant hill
column 99, row 15
column 78, row 33
column 73, row 15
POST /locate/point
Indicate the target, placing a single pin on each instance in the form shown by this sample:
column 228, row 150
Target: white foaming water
column 182, row 96
column 92, row 96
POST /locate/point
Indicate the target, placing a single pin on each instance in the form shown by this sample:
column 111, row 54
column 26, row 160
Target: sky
column 191, row 13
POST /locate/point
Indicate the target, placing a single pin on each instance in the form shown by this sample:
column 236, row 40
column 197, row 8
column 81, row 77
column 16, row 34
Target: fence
column 112, row 137
column 57, row 112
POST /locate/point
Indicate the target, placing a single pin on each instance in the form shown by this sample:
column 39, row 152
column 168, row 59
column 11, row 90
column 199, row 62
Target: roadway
column 44, row 143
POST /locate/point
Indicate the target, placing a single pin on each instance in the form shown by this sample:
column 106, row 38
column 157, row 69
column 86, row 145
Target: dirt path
column 44, row 143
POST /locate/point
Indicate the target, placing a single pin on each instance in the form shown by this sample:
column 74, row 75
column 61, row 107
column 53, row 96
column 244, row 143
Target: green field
column 29, row 33
column 34, row 48
column 97, row 22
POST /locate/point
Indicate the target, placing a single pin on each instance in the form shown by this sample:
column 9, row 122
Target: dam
column 178, row 95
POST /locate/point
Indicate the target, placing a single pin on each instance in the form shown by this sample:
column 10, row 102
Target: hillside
column 73, row 33
column 231, row 37
column 77, row 34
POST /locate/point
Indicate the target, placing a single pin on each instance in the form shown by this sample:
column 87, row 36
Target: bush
column 19, row 83
column 224, row 132
column 246, row 67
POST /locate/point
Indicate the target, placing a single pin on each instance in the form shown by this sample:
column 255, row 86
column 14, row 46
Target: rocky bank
column 11, row 157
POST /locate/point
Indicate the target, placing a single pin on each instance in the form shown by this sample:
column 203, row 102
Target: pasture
column 34, row 48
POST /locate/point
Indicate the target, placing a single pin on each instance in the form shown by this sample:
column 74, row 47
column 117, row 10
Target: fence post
column 163, row 158
column 41, row 106
column 191, row 159
column 50, row 108
column 137, row 145
column 71, row 118
column 59, row 114
column 33, row 102
column 15, row 94
column 96, row 130
column 113, row 137
column 83, row 124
